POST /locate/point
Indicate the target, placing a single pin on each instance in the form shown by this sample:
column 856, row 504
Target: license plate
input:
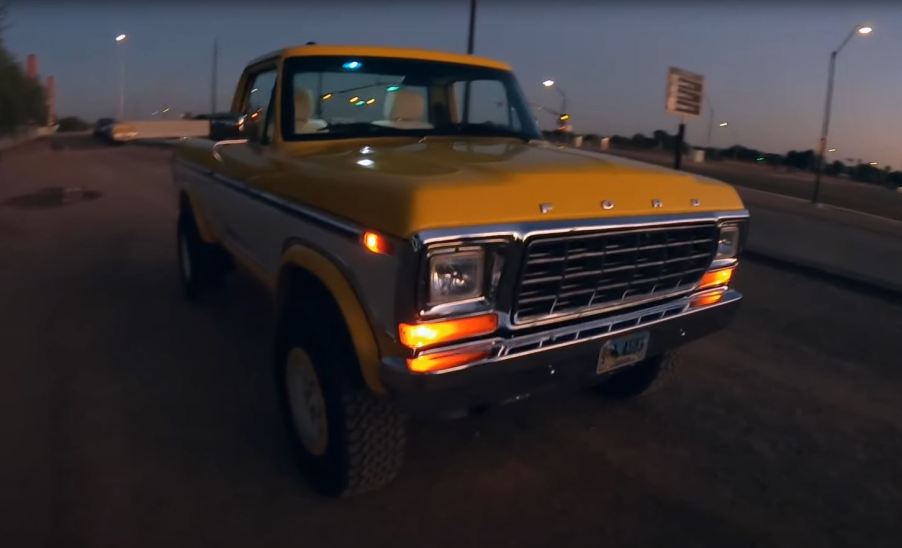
column 621, row 352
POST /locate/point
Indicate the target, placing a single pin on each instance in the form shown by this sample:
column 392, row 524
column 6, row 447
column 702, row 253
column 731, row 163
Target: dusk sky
column 765, row 63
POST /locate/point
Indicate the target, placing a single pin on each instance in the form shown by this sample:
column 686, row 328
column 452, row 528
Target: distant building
column 51, row 100
column 31, row 71
column 31, row 66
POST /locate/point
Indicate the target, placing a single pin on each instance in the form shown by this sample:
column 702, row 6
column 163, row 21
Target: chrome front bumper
column 568, row 353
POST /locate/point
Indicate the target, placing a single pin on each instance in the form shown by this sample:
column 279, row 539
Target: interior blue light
column 352, row 65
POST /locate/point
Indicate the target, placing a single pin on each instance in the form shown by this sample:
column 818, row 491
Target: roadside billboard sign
column 685, row 92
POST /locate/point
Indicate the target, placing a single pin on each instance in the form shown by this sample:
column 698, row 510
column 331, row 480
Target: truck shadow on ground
column 77, row 142
column 701, row 460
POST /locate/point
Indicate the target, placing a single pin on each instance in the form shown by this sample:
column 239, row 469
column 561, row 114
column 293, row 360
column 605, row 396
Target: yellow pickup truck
column 428, row 253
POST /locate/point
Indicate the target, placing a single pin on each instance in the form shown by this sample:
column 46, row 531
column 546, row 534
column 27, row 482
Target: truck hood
column 403, row 186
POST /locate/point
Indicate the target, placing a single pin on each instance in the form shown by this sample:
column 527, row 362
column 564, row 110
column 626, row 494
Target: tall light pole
column 863, row 30
column 120, row 42
column 472, row 34
column 551, row 84
column 214, row 76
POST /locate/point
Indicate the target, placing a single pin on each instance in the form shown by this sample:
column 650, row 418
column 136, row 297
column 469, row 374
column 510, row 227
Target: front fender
column 355, row 317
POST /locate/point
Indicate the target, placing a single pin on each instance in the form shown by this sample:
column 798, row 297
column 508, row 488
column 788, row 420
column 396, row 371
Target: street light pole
column 557, row 88
column 120, row 40
column 563, row 98
column 828, row 105
column 825, row 128
column 121, row 86
column 214, row 77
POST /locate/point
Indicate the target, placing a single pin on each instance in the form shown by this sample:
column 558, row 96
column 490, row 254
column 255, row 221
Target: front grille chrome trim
column 606, row 270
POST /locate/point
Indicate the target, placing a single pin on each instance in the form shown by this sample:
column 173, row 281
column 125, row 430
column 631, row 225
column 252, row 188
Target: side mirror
column 232, row 126
column 226, row 127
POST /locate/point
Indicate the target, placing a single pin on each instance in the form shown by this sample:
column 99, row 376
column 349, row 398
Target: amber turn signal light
column 716, row 278
column 375, row 243
column 430, row 363
column 427, row 334
column 707, row 300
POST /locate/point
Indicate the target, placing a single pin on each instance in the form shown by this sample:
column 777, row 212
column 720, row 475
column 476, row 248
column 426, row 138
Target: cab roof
column 383, row 51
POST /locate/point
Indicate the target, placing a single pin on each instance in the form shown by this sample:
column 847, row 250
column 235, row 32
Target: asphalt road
column 131, row 418
column 868, row 198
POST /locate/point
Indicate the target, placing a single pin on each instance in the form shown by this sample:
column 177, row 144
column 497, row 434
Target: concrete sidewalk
column 835, row 241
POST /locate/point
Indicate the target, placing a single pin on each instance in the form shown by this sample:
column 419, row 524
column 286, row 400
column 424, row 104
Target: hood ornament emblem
column 546, row 207
column 657, row 204
column 607, row 204
column 695, row 202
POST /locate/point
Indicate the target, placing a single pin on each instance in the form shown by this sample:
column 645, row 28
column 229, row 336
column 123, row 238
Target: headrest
column 303, row 105
column 405, row 105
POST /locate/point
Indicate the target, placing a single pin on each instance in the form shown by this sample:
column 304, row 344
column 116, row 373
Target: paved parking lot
column 132, row 418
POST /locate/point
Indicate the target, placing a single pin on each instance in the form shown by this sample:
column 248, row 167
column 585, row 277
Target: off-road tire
column 366, row 433
column 642, row 378
column 201, row 265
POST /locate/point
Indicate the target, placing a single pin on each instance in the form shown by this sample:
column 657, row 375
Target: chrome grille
column 577, row 273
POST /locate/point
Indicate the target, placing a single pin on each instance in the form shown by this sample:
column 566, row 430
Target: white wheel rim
column 186, row 257
column 305, row 398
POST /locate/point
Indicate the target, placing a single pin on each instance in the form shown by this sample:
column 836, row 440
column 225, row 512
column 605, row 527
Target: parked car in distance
column 428, row 252
column 137, row 130
column 103, row 127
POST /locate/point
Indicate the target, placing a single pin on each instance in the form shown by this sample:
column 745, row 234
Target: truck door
column 245, row 214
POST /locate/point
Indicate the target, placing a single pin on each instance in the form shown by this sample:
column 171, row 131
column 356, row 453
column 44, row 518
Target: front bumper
column 564, row 355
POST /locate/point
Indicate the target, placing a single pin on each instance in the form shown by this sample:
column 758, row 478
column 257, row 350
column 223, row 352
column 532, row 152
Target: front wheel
column 350, row 441
column 200, row 264
column 646, row 376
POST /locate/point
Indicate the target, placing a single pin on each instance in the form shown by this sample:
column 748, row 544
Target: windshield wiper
column 361, row 127
column 367, row 86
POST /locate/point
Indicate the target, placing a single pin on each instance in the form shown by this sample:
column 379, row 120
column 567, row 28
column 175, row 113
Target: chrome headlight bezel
column 455, row 276
column 490, row 256
column 729, row 241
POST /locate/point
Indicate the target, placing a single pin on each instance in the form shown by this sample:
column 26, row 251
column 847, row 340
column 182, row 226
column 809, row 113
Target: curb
column 15, row 143
column 837, row 276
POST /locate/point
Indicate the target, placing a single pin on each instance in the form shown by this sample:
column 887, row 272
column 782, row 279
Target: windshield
column 338, row 97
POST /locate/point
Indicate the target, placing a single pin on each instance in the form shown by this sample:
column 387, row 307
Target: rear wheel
column 201, row 265
column 642, row 378
column 349, row 440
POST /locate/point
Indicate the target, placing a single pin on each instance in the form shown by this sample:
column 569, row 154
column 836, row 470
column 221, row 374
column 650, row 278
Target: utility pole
column 710, row 121
column 214, row 76
column 470, row 38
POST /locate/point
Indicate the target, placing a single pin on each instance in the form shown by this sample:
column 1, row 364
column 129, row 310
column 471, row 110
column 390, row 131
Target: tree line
column 22, row 100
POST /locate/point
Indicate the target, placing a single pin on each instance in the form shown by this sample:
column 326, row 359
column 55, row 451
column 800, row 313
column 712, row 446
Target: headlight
column 728, row 243
column 456, row 276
